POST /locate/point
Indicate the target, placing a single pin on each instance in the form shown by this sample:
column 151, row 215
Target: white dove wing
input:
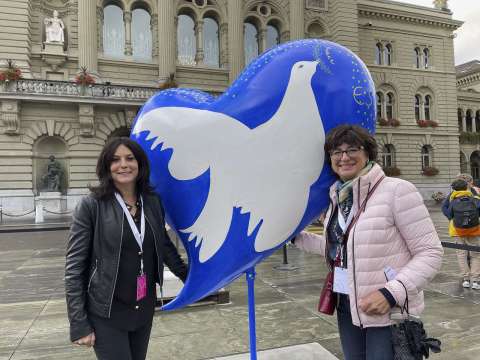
column 200, row 140
column 195, row 136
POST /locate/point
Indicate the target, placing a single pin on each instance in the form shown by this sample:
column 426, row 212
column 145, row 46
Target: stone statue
column 54, row 29
column 441, row 4
column 53, row 176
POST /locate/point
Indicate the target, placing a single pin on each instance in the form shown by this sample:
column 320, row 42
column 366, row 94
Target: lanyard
column 137, row 235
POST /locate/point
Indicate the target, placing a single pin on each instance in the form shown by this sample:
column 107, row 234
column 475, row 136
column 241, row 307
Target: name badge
column 141, row 286
column 390, row 274
column 340, row 281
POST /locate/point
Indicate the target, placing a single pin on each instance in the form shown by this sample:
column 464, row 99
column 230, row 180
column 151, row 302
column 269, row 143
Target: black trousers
column 112, row 343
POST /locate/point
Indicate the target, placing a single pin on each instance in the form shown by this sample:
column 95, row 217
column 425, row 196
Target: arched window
column 273, row 37
column 315, row 31
column 469, row 120
column 417, row 57
column 387, row 58
column 475, row 164
column 186, row 43
column 113, row 31
column 388, row 156
column 251, row 42
column 460, row 120
column 463, row 164
column 389, row 106
column 477, row 121
column 428, row 101
column 379, row 105
column 141, row 34
column 417, row 106
column 211, row 43
column 426, row 156
column 378, row 54
column 426, row 58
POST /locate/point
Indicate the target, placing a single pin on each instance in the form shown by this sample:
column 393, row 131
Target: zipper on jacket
column 118, row 266
column 355, row 277
column 93, row 274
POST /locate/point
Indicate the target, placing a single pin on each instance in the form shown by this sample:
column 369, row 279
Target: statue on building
column 53, row 176
column 441, row 4
column 54, row 29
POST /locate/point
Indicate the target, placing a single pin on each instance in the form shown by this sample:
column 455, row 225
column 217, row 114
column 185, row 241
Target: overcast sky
column 467, row 42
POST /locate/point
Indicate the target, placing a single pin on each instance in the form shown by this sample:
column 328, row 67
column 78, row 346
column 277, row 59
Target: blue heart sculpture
column 241, row 174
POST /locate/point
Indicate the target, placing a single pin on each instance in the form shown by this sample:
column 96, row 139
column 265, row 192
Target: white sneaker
column 475, row 285
column 466, row 284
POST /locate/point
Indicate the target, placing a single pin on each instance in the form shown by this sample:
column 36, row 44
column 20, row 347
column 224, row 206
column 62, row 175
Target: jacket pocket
column 94, row 272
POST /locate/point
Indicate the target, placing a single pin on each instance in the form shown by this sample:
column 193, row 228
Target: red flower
column 84, row 78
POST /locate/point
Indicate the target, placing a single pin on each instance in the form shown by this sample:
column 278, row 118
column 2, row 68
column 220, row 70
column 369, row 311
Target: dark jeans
column 373, row 343
column 112, row 343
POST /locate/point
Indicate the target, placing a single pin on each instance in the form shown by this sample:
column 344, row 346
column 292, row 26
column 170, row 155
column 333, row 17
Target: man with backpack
column 462, row 208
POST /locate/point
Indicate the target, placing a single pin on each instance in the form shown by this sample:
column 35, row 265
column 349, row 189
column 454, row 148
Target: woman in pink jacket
column 391, row 250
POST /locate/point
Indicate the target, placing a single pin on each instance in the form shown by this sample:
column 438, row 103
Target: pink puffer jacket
column 396, row 231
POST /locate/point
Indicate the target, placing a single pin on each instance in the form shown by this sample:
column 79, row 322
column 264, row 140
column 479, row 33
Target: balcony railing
column 66, row 88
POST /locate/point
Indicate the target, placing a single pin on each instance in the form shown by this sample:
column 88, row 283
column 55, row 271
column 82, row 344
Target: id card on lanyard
column 139, row 236
column 340, row 275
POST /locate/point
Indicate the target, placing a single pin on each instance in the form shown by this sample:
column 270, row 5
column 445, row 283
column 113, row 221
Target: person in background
column 391, row 250
column 463, row 213
column 116, row 250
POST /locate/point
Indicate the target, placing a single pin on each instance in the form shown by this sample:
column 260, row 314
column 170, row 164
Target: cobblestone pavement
column 34, row 324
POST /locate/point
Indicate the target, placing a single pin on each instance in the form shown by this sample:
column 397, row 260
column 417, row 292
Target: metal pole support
column 250, row 276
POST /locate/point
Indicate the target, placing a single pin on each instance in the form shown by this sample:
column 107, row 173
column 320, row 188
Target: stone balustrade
column 66, row 88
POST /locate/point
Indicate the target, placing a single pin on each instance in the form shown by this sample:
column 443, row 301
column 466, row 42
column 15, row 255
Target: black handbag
column 409, row 339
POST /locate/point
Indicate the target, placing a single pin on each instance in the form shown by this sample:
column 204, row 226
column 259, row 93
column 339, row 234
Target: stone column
column 199, row 56
column 297, row 20
column 166, row 39
column 235, row 38
column 474, row 125
column 153, row 29
column 464, row 123
column 100, row 28
column 127, row 20
column 223, row 45
column 87, row 35
column 262, row 40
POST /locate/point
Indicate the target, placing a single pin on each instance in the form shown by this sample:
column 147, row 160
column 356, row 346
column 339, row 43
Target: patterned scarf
column 345, row 191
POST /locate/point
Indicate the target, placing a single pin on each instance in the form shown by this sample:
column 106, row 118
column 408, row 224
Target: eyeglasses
column 351, row 152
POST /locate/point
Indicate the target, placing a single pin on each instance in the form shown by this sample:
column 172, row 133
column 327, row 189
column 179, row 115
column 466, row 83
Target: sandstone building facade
column 427, row 115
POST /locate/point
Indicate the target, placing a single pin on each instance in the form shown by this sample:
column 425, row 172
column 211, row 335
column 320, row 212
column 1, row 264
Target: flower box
column 170, row 83
column 430, row 171
column 84, row 78
column 427, row 123
column 392, row 171
column 11, row 73
column 388, row 122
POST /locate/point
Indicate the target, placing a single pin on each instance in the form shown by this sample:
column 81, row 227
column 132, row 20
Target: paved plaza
column 34, row 323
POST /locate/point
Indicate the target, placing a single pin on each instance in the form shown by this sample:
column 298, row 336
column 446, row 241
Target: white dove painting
column 241, row 174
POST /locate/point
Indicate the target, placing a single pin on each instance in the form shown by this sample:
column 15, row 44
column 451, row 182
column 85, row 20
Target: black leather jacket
column 93, row 255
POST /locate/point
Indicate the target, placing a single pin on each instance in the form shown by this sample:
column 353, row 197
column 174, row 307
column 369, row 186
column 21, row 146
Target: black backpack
column 465, row 212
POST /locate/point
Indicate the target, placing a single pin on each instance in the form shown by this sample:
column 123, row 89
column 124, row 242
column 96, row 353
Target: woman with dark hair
column 379, row 241
column 116, row 250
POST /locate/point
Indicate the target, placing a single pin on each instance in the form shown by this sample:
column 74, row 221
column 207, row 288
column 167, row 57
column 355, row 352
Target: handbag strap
column 405, row 307
column 362, row 207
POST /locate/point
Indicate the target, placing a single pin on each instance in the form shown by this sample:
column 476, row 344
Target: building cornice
column 471, row 79
column 386, row 13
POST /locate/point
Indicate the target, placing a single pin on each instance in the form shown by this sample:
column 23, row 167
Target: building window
column 378, row 54
column 211, row 43
column 388, row 156
column 389, row 106
column 417, row 107
column 379, row 105
column 186, row 43
column 273, row 37
column 477, row 121
column 251, row 42
column 469, row 120
column 460, row 120
column 426, row 156
column 426, row 58
column 387, row 58
column 113, row 31
column 426, row 106
column 141, row 34
column 417, row 57
column 317, row 4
